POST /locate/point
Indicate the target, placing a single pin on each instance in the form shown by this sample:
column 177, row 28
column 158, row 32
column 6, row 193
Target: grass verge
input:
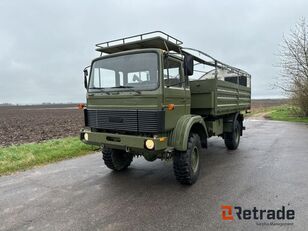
column 286, row 113
column 25, row 156
column 283, row 113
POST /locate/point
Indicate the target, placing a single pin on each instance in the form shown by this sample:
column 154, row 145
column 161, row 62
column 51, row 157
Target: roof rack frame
column 215, row 63
column 139, row 37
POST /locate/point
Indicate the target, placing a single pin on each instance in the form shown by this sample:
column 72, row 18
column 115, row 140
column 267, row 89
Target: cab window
column 173, row 73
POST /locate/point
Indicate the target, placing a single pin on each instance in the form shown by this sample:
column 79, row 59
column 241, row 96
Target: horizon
column 70, row 103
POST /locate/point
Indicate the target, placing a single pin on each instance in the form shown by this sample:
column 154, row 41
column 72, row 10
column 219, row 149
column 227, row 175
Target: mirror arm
column 85, row 74
column 85, row 82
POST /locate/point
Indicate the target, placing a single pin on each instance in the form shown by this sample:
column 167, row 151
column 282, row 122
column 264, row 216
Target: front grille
column 145, row 121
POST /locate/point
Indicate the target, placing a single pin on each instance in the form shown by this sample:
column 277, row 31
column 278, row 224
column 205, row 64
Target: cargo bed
column 213, row 97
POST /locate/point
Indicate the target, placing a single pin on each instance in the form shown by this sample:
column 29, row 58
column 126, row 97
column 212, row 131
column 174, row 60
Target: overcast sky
column 44, row 45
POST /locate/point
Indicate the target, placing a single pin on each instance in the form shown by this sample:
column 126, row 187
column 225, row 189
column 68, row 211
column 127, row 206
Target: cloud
column 44, row 45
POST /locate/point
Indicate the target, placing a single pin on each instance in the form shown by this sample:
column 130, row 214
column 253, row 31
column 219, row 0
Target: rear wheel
column 232, row 139
column 186, row 165
column 117, row 160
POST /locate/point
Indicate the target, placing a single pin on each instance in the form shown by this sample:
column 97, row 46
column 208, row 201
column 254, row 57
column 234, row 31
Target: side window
column 172, row 73
column 241, row 80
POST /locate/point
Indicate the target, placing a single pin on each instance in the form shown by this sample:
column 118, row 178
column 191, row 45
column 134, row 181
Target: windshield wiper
column 121, row 86
column 128, row 87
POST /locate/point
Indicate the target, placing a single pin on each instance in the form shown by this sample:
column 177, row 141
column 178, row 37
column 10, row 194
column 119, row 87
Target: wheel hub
column 195, row 159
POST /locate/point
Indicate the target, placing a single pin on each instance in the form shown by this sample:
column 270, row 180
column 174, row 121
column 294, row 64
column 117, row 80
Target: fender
column 229, row 122
column 180, row 134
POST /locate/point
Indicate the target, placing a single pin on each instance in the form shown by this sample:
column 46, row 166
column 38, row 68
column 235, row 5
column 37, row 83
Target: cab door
column 176, row 92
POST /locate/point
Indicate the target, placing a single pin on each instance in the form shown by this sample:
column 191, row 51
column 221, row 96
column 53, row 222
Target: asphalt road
column 269, row 170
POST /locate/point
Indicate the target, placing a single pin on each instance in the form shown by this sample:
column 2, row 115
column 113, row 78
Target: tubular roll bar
column 216, row 63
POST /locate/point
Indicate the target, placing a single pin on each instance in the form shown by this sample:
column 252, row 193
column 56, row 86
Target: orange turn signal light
column 162, row 139
column 81, row 106
column 170, row 106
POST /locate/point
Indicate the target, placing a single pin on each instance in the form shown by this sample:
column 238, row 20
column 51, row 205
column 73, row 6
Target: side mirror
column 188, row 65
column 85, row 74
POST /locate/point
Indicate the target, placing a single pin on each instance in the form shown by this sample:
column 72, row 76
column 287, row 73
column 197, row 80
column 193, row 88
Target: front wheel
column 117, row 160
column 186, row 165
column 232, row 139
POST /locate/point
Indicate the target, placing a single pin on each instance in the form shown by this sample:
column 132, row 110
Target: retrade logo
column 270, row 216
column 226, row 213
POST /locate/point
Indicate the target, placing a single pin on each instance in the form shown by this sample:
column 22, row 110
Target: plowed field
column 33, row 124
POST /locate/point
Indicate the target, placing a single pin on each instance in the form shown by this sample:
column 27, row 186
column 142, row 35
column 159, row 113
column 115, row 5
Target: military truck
column 144, row 99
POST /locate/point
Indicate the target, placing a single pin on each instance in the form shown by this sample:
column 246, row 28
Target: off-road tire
column 232, row 139
column 182, row 161
column 117, row 160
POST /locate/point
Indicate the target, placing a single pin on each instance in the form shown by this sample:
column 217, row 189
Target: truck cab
column 139, row 103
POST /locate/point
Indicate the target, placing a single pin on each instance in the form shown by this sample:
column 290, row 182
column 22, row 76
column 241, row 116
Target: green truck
column 149, row 96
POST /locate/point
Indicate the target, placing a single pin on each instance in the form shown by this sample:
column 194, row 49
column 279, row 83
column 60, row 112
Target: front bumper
column 120, row 141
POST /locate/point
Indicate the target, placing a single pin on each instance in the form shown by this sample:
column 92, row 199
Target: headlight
column 86, row 136
column 149, row 144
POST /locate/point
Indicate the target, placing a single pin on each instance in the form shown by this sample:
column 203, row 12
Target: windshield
column 125, row 73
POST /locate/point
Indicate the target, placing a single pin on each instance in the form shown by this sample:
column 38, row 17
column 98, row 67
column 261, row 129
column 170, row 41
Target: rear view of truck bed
column 218, row 97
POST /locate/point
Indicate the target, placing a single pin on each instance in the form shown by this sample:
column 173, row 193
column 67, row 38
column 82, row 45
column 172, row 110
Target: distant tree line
column 6, row 104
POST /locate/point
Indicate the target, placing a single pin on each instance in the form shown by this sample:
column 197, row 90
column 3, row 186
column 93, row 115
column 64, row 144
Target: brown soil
column 25, row 124
column 263, row 103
